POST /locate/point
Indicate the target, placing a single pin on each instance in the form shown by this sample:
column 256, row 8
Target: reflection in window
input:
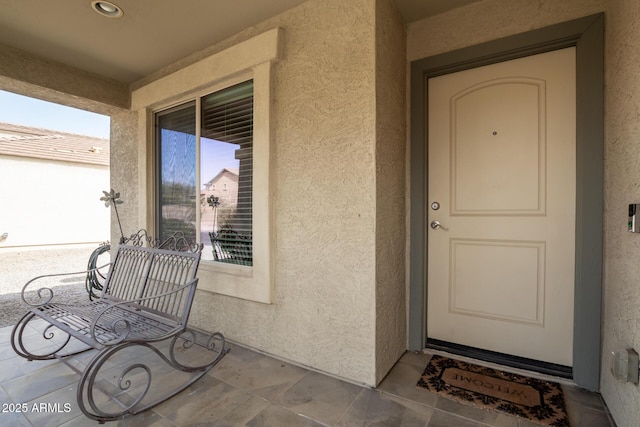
column 225, row 162
column 226, row 157
column 177, row 186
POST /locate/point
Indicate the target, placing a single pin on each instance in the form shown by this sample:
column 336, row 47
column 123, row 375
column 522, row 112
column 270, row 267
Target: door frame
column 587, row 35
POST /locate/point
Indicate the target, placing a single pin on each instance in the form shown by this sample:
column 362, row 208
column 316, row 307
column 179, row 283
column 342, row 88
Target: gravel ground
column 18, row 266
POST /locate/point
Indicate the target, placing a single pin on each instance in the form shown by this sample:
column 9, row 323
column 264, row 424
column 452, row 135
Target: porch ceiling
column 151, row 34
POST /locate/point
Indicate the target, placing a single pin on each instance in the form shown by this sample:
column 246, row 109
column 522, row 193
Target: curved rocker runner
column 138, row 324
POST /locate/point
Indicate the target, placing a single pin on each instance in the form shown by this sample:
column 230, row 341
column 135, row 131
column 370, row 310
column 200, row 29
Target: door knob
column 436, row 225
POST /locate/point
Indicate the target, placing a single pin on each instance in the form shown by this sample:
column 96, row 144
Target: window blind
column 227, row 116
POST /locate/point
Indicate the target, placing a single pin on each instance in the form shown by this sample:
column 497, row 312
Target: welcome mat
column 538, row 401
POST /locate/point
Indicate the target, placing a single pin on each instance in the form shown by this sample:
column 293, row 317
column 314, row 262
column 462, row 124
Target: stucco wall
column 622, row 177
column 127, row 173
column 48, row 202
column 325, row 175
column 323, row 313
column 391, row 332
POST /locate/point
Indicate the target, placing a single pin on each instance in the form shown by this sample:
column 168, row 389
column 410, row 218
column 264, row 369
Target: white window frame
column 251, row 59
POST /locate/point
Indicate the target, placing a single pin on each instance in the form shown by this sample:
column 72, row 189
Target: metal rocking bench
column 144, row 305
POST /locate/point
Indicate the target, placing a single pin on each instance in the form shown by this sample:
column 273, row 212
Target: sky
column 25, row 111
column 216, row 155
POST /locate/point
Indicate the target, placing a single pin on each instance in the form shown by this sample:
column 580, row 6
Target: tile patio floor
column 250, row 389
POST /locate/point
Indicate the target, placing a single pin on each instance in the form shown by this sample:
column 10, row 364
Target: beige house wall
column 52, row 202
column 622, row 175
column 390, row 232
column 338, row 245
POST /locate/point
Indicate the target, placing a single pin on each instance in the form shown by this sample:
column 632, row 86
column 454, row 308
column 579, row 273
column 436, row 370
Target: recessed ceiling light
column 107, row 9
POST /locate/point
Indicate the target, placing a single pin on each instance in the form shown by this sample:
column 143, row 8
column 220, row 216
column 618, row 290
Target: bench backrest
column 141, row 272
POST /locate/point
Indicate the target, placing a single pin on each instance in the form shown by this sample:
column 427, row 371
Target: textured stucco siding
column 323, row 313
column 48, row 202
column 391, row 331
column 622, row 186
column 127, row 163
column 338, row 207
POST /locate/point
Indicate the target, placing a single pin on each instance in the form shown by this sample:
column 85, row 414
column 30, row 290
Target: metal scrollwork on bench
column 96, row 276
column 176, row 242
column 135, row 380
column 144, row 304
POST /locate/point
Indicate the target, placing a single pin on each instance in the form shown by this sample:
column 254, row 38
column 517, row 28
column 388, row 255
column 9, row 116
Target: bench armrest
column 122, row 327
column 45, row 294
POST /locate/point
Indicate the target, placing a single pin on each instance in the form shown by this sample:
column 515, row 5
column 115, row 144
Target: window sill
column 226, row 268
column 238, row 281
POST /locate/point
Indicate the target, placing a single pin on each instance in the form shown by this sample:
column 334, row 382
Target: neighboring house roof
column 23, row 141
column 232, row 171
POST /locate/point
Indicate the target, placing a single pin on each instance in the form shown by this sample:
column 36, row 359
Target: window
column 193, row 164
column 250, row 60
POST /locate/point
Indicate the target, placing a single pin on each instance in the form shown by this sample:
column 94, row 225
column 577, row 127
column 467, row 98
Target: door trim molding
column 587, row 35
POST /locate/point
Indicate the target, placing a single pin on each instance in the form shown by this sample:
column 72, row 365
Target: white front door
column 502, row 187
